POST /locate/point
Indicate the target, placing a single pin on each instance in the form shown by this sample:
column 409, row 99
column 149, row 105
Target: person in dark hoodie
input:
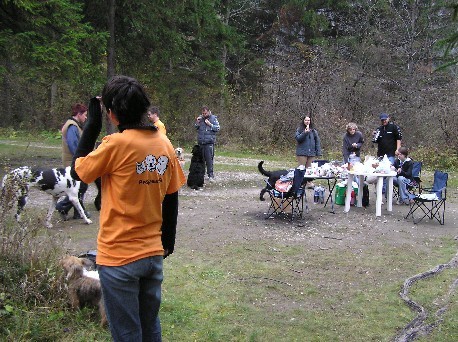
column 308, row 144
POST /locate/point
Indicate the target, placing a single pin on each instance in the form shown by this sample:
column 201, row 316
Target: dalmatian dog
column 57, row 182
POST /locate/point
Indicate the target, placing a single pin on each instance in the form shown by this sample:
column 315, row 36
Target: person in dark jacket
column 308, row 142
column 207, row 126
column 352, row 142
column 403, row 167
column 388, row 138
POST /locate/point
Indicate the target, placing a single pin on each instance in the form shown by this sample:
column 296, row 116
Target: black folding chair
column 431, row 201
column 290, row 202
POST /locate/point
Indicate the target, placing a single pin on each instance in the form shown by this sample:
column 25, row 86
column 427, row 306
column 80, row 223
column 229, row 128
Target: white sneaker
column 211, row 179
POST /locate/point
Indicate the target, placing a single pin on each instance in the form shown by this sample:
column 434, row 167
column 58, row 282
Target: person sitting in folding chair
column 403, row 167
column 432, row 200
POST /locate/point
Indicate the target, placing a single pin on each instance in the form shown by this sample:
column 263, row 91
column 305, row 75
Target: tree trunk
column 226, row 13
column 53, row 97
column 111, row 53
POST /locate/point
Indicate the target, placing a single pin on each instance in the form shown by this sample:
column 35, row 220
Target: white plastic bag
column 384, row 166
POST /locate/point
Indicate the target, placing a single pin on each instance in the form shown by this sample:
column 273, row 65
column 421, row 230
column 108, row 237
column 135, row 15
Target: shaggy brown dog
column 83, row 290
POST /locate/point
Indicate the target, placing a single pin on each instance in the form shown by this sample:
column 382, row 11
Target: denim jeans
column 65, row 205
column 402, row 182
column 132, row 297
column 208, row 152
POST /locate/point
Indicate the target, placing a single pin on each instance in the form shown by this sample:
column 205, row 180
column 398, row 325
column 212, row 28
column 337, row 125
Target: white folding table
column 379, row 198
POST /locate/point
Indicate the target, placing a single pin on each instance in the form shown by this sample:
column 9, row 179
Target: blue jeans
column 402, row 182
column 132, row 297
column 208, row 152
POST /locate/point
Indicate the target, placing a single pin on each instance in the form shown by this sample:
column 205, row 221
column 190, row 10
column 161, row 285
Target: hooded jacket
column 308, row 143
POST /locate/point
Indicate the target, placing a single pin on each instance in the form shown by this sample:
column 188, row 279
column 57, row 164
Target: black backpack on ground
column 365, row 195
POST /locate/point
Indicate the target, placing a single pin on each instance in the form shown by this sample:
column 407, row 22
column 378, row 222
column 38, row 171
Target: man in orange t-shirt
column 153, row 117
column 141, row 177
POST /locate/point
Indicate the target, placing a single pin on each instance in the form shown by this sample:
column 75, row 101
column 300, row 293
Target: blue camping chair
column 431, row 201
column 290, row 203
column 415, row 184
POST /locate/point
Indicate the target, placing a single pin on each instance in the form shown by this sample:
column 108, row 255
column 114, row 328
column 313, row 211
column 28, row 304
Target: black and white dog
column 56, row 182
column 196, row 169
column 273, row 177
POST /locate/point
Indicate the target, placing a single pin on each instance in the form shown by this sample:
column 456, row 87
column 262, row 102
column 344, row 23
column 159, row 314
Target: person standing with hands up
column 207, row 126
column 308, row 144
column 388, row 138
column 141, row 177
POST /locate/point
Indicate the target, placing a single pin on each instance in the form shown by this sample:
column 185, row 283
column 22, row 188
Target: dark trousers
column 208, row 152
column 65, row 205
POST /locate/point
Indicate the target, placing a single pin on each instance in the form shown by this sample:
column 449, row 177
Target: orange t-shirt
column 138, row 168
column 160, row 126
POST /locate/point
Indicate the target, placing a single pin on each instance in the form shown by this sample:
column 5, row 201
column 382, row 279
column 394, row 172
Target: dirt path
column 233, row 211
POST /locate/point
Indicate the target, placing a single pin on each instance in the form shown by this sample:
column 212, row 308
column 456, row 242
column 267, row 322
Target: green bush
column 33, row 296
column 445, row 159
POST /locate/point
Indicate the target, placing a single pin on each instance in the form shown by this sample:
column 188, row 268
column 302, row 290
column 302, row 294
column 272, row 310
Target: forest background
column 259, row 65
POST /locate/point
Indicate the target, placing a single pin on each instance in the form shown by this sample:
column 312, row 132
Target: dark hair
column 302, row 125
column 403, row 150
column 78, row 108
column 205, row 107
column 126, row 97
column 154, row 109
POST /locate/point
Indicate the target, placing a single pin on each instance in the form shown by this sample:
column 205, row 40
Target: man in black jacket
column 388, row 137
column 207, row 126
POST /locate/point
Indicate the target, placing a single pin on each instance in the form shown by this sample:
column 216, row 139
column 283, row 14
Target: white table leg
column 378, row 201
column 359, row 198
column 348, row 193
column 389, row 194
